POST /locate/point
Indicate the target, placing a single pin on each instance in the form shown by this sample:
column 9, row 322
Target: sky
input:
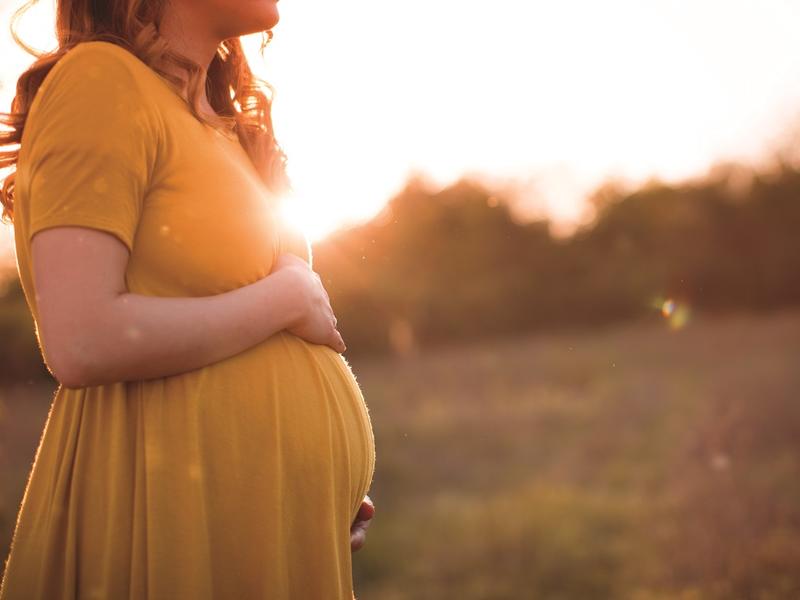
column 549, row 97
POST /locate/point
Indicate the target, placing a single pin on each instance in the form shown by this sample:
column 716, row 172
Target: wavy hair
column 238, row 97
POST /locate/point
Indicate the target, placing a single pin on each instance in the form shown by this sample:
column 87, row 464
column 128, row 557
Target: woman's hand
column 358, row 530
column 316, row 323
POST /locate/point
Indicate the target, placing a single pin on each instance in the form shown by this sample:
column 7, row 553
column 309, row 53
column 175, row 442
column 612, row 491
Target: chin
column 253, row 17
column 267, row 17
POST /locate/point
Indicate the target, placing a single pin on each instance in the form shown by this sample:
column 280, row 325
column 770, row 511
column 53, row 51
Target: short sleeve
column 90, row 144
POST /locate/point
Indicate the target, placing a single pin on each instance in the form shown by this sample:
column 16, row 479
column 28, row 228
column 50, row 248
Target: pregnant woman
column 207, row 439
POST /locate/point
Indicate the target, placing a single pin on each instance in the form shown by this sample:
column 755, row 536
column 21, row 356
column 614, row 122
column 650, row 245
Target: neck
column 188, row 33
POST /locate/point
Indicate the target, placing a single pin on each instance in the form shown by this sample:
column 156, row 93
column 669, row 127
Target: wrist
column 284, row 296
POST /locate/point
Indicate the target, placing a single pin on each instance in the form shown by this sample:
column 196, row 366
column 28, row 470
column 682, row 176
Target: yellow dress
column 239, row 480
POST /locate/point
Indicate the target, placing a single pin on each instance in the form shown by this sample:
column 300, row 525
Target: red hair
column 238, row 98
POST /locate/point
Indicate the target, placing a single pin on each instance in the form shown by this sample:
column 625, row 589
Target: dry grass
column 613, row 464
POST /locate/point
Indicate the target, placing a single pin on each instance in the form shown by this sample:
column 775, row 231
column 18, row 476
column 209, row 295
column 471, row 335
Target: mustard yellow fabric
column 235, row 481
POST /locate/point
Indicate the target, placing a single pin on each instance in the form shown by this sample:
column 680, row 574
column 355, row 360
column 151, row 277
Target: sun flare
column 298, row 214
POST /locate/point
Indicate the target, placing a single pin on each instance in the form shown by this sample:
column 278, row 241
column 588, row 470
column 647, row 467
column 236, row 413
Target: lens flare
column 679, row 317
column 676, row 313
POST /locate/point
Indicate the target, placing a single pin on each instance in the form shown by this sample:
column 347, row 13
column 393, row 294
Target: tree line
column 454, row 264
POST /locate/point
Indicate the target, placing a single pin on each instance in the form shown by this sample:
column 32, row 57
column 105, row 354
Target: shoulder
column 95, row 86
column 100, row 67
column 94, row 101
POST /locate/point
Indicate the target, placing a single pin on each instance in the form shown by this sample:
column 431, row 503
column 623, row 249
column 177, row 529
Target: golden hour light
column 468, row 299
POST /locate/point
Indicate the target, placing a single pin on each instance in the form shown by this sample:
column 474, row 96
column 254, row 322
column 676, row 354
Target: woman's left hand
column 358, row 530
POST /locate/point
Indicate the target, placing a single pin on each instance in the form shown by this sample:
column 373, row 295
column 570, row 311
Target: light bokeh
column 551, row 96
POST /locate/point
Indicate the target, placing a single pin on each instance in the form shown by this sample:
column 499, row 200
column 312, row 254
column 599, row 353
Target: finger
column 367, row 509
column 357, row 540
column 337, row 343
column 361, row 525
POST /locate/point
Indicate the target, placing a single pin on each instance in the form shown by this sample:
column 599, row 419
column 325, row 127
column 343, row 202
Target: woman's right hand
column 316, row 322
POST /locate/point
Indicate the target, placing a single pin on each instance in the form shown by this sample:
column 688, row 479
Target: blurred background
column 561, row 241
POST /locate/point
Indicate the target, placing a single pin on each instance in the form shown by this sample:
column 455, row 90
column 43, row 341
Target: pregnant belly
column 285, row 414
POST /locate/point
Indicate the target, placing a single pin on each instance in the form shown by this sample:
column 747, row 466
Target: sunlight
column 298, row 214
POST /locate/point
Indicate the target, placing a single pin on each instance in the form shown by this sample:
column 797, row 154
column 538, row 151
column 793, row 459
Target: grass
column 636, row 462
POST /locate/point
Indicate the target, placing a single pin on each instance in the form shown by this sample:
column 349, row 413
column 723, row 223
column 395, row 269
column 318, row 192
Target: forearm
column 133, row 337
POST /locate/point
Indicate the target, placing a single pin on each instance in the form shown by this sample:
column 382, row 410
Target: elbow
column 72, row 366
column 71, row 378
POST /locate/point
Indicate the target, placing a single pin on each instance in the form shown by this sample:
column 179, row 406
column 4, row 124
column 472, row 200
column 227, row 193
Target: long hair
column 238, row 98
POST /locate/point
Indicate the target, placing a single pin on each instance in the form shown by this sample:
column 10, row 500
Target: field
column 634, row 462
